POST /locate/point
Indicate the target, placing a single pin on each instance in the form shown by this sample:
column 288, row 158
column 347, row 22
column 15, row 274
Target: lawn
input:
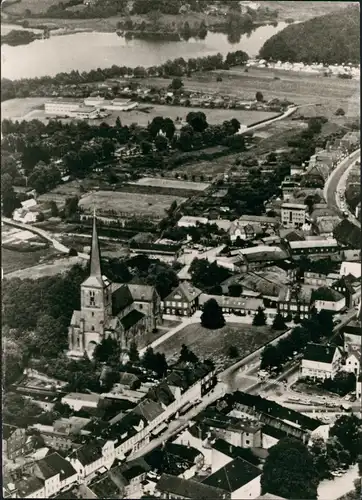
column 214, row 344
column 208, row 168
column 51, row 266
column 13, row 260
column 18, row 109
column 152, row 205
column 170, row 183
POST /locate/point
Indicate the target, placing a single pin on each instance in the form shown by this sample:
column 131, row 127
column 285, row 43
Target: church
column 124, row 312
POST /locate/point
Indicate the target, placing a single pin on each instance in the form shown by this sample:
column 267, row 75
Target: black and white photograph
column 181, row 250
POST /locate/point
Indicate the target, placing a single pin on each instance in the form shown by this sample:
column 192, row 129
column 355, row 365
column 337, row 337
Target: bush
column 72, row 252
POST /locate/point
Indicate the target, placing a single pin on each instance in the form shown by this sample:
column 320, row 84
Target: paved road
column 289, row 112
column 331, row 186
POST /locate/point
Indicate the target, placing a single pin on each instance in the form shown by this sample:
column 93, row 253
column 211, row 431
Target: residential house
column 239, row 478
column 244, row 230
column 77, row 400
column 353, row 360
column 352, row 334
column 64, row 433
column 328, row 299
column 91, row 457
column 128, row 380
column 262, row 255
column 272, row 435
column 353, row 268
column 350, row 287
column 314, row 279
column 350, row 139
column 224, row 453
column 325, row 225
column 267, row 286
column 25, row 487
column 295, row 300
column 314, row 247
column 294, row 215
column 123, row 481
column 348, row 234
column 321, row 361
column 183, row 300
column 16, row 442
column 173, row 487
column 190, row 221
column 233, row 305
column 176, row 459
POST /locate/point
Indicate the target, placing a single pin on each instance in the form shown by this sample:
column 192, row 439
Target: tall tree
column 278, row 322
column 348, row 431
column 212, row 316
column 259, row 318
column 289, row 471
column 134, row 356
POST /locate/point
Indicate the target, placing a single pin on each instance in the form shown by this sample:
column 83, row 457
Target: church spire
column 95, row 258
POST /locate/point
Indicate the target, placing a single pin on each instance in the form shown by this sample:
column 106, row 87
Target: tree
column 187, row 356
column 176, row 84
column 134, row 356
column 340, row 112
column 270, row 357
column 259, row 96
column 53, row 208
column 235, row 290
column 71, row 206
column 9, row 199
column 197, row 120
column 146, row 147
column 169, row 128
column 278, row 322
column 161, row 143
column 72, row 252
column 233, row 352
column 289, row 471
column 259, row 318
column 148, row 359
column 212, row 316
column 105, row 349
column 160, row 365
column 347, row 429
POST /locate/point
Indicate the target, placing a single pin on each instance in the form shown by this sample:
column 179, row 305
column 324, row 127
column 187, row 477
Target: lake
column 91, row 50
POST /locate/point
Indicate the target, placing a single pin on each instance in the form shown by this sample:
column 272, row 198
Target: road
column 332, row 489
column 287, row 113
column 330, row 191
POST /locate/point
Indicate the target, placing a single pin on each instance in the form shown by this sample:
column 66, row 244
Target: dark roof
column 348, row 234
column 346, row 282
column 131, row 319
column 148, row 409
column 134, row 468
column 161, row 394
column 156, row 247
column 294, row 236
column 186, row 452
column 274, row 432
column 319, row 352
column 56, row 463
column 326, row 293
column 106, row 487
column 28, row 486
column 233, row 476
column 88, row 453
column 121, row 298
column 235, row 451
column 8, row 430
column 187, row 488
column 185, row 377
column 352, row 330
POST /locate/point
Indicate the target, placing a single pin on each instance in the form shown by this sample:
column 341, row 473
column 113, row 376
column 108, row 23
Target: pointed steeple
column 95, row 257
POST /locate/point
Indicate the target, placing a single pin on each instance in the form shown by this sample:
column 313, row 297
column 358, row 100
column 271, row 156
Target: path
column 251, row 128
column 339, row 486
column 43, row 234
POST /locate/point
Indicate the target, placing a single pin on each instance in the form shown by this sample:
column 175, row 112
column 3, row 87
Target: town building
column 166, row 252
column 97, row 455
column 238, row 478
column 295, row 300
column 61, row 107
column 182, row 301
column 293, row 215
column 234, row 305
column 350, row 287
column 190, row 221
column 321, row 361
column 353, row 268
column 328, row 299
column 16, row 442
column 352, row 335
column 353, row 360
column 126, row 313
column 172, row 487
column 316, row 247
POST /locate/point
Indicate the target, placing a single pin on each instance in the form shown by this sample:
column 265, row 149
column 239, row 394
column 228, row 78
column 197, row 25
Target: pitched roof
column 141, row 293
column 179, row 450
column 121, row 298
column 186, row 290
column 53, row 464
column 29, row 485
column 233, row 302
column 326, row 293
column 187, row 488
column 233, row 475
column 131, row 319
column 88, row 453
column 292, row 235
column 348, row 233
column 161, row 394
column 148, row 409
column 126, row 378
column 235, row 451
column 319, row 353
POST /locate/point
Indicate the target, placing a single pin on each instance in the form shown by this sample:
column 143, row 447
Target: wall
column 268, row 441
column 250, row 490
column 219, row 460
column 329, row 305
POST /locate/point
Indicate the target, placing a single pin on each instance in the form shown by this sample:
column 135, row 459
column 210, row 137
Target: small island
column 19, row 37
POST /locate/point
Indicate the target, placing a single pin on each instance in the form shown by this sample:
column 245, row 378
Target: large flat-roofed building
column 293, row 215
column 327, row 246
column 61, row 107
column 115, row 105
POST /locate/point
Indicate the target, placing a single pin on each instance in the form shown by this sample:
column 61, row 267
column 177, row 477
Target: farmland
column 170, row 183
column 128, row 203
column 19, row 266
column 17, row 261
column 214, row 344
column 208, row 168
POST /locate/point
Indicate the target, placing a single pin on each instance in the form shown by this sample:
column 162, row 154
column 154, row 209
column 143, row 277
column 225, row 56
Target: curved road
column 330, row 191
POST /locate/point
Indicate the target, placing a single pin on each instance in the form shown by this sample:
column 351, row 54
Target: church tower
column 96, row 297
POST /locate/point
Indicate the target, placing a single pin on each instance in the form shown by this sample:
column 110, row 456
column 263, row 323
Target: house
column 170, row 486
column 91, row 457
column 353, row 360
column 267, row 286
column 239, row 478
column 189, row 221
column 325, row 225
column 328, row 299
column 350, row 287
column 176, row 459
column 16, row 442
column 128, row 380
column 26, row 487
column 321, row 361
column 183, row 300
column 244, row 230
column 233, row 305
column 348, row 234
column 352, row 335
column 272, row 435
column 123, row 481
column 293, row 215
column 77, row 400
column 316, row 247
column 223, row 453
column 295, row 300
column 262, row 255
column 127, row 313
column 163, row 251
column 64, row 433
column 353, row 268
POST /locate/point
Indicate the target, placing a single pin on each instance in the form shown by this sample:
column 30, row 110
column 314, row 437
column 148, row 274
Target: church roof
column 95, row 257
column 141, row 293
column 131, row 319
column 121, row 298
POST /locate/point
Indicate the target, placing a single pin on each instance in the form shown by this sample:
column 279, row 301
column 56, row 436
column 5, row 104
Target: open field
column 18, row 109
column 170, row 183
column 35, row 6
column 145, row 204
column 208, row 168
column 214, row 344
column 13, row 260
column 58, row 266
column 301, row 11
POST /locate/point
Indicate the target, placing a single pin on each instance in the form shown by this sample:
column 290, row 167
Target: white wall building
column 293, row 215
column 321, row 361
column 353, row 268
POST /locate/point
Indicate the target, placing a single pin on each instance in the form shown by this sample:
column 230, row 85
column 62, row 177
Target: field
column 170, row 183
column 17, row 109
column 35, row 6
column 130, row 203
column 208, row 168
column 214, row 344
column 16, row 261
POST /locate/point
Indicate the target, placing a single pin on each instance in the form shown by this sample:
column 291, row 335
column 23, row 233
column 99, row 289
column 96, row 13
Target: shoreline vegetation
column 19, row 37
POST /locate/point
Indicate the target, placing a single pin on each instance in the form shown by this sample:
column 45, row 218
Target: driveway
column 339, row 486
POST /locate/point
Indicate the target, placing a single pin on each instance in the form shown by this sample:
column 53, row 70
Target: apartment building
column 293, row 215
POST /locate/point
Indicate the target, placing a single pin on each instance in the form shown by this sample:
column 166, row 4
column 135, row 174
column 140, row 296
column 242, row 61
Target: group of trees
column 311, row 330
column 44, row 86
column 208, row 276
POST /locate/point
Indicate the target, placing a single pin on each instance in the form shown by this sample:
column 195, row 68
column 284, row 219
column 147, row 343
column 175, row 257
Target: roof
column 187, row 488
column 348, row 233
column 53, row 464
column 319, row 353
column 141, row 293
column 189, row 219
column 88, row 453
column 269, row 496
column 235, row 451
column 292, row 235
column 233, row 476
column 298, row 206
column 29, row 485
column 354, row 351
column 126, row 378
column 8, row 430
column 274, row 432
column 131, row 319
column 186, row 290
column 326, row 293
column 256, row 282
column 263, row 253
column 148, row 409
column 259, row 218
column 161, row 394
column 186, row 452
column 330, row 243
column 121, row 298
column 82, row 396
